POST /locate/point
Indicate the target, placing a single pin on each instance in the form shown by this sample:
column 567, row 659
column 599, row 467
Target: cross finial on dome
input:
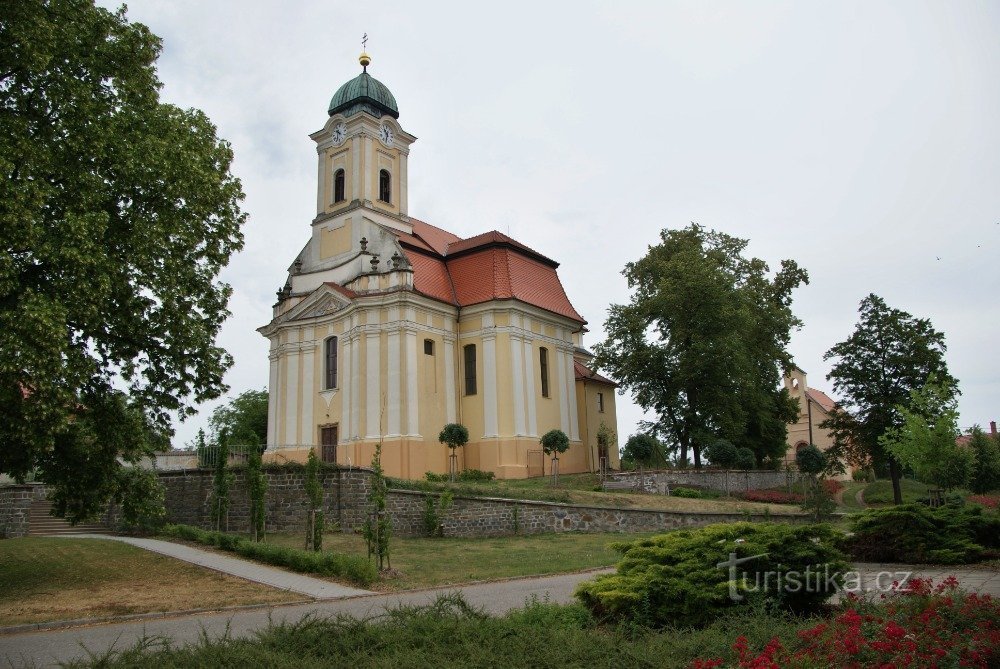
column 364, row 58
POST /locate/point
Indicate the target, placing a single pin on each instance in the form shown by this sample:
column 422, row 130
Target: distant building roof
column 821, row 398
column 584, row 373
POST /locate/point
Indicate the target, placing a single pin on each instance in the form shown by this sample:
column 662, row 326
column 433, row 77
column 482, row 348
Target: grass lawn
column 579, row 489
column 44, row 579
column 850, row 496
column 425, row 562
column 880, row 492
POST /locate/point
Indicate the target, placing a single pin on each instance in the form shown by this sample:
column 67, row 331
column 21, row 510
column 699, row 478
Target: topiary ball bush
column 673, row 579
column 810, row 459
column 721, row 453
column 745, row 459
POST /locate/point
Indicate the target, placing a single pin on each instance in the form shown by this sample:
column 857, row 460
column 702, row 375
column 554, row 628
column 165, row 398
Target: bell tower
column 363, row 151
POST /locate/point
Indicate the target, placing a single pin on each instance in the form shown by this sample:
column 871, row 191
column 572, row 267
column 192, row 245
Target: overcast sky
column 861, row 139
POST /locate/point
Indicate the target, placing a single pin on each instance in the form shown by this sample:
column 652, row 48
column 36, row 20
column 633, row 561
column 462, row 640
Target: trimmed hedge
column 674, row 579
column 353, row 568
column 950, row 534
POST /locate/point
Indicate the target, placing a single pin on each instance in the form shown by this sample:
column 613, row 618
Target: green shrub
column 721, row 453
column 745, row 459
column 692, row 493
column 476, row 476
column 435, row 478
column 950, row 534
column 351, row 567
column 675, row 579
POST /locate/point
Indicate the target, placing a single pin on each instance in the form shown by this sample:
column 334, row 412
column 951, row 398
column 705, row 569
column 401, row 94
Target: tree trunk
column 697, row 457
column 895, row 475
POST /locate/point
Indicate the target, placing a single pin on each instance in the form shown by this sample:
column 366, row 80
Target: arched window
column 338, row 186
column 470, row 369
column 330, row 378
column 384, row 186
column 543, row 362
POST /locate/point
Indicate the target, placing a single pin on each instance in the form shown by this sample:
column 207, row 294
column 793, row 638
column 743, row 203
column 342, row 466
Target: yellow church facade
column 388, row 328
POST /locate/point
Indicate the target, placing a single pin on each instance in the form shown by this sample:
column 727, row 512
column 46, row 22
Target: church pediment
column 323, row 302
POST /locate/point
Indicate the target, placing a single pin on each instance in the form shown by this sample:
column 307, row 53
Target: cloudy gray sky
column 860, row 138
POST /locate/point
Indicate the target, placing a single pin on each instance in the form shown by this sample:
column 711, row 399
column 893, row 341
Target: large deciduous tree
column 876, row 370
column 703, row 342
column 244, row 418
column 118, row 211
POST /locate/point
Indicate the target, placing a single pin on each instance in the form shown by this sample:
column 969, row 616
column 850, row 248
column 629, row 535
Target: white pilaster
column 356, row 144
column 563, row 394
column 292, row 394
column 490, row 418
column 355, row 382
column 529, row 388
column 449, row 378
column 344, row 385
column 517, row 376
column 395, row 381
column 373, row 378
column 308, row 395
column 574, row 421
column 272, row 397
column 320, row 180
column 403, row 178
column 412, row 396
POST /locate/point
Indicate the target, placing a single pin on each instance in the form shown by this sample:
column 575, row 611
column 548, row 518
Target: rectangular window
column 543, row 361
column 331, row 364
column 328, row 440
column 428, row 347
column 470, row 369
column 600, row 402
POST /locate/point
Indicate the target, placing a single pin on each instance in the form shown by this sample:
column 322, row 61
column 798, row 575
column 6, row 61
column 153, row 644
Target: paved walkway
column 276, row 578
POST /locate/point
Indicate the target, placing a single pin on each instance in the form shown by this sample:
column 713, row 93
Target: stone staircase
column 41, row 523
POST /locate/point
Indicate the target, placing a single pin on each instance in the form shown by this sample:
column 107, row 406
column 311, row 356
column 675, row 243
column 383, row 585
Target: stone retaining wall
column 487, row 516
column 345, row 494
column 728, row 481
column 15, row 503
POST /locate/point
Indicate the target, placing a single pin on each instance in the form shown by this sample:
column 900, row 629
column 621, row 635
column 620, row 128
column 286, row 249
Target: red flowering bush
column 772, row 496
column 832, row 486
column 924, row 626
column 989, row 501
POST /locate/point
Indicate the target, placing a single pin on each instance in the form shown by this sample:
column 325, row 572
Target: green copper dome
column 364, row 93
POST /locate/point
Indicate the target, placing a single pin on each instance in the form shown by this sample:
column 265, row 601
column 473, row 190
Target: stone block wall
column 345, row 493
column 15, row 503
column 485, row 517
column 727, row 481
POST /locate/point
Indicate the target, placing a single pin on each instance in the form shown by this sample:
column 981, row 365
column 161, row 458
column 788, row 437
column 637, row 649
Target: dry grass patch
column 44, row 579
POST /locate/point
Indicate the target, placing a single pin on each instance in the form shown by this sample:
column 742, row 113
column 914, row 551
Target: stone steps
column 41, row 523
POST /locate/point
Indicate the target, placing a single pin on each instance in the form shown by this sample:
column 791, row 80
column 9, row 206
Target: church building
column 388, row 328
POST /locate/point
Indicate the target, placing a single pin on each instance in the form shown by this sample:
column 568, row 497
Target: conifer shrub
column 676, row 578
column 950, row 534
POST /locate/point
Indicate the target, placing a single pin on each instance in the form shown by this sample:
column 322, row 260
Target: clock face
column 339, row 132
column 385, row 134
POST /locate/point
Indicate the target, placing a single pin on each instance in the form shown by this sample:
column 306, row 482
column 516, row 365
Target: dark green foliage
column 118, row 213
column 451, row 634
column 454, row 435
column 141, row 498
column 915, row 533
column 466, row 475
column 703, row 341
column 721, row 453
column 554, row 442
column 986, row 470
column 201, row 450
column 256, row 491
column 810, row 460
column 244, row 418
column 643, row 449
column 315, row 522
column 889, row 355
column 745, row 459
column 353, row 568
column 691, row 493
column 222, row 481
column 434, row 508
column 377, row 528
column 673, row 579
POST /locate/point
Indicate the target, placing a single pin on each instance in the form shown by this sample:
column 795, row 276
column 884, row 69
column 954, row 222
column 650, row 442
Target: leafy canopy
column 986, row 474
column 118, row 212
column 244, row 418
column 925, row 442
column 554, row 441
column 703, row 342
column 888, row 356
column 454, row 435
column 643, row 449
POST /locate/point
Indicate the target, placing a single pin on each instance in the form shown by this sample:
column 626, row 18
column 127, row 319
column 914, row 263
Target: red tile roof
column 584, row 373
column 490, row 266
column 821, row 398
